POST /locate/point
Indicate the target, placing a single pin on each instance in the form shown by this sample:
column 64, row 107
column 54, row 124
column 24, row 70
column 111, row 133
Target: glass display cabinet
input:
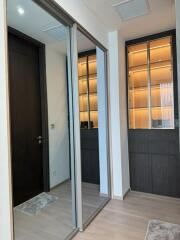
column 88, row 105
column 87, row 71
column 150, row 84
column 153, row 118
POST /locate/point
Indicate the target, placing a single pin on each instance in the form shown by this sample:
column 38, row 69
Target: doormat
column 158, row 230
column 36, row 204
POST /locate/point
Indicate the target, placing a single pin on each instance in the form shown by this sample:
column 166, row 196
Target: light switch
column 52, row 126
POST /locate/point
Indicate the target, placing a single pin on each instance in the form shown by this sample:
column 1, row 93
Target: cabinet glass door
column 138, row 86
column 83, row 91
column 162, row 97
column 150, row 85
column 93, row 100
column 87, row 70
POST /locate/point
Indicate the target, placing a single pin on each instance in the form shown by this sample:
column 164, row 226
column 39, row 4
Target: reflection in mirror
column 93, row 128
column 43, row 175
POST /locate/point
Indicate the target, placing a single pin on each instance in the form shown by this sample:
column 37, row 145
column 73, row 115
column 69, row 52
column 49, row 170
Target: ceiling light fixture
column 129, row 9
column 122, row 2
column 20, row 11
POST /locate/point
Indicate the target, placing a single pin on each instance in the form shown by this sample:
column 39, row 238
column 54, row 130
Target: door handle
column 39, row 138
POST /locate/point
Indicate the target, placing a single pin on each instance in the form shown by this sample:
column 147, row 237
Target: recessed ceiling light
column 20, row 10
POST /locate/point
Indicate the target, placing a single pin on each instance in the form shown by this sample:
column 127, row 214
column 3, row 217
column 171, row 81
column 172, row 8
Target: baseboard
column 57, row 185
column 103, row 195
column 117, row 198
column 123, row 197
column 126, row 193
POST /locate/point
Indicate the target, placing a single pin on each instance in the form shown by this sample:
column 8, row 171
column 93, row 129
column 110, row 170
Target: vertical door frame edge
column 6, row 216
column 71, row 126
column 77, row 136
column 109, row 174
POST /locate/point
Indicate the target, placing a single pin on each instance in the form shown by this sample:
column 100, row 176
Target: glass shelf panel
column 94, row 118
column 82, row 66
column 161, row 75
column 93, row 86
column 162, row 117
column 82, row 87
column 137, row 55
column 138, row 98
column 88, row 91
column 160, row 50
column 139, row 118
column 93, row 76
column 84, row 118
column 93, row 102
column 162, row 96
column 161, row 65
column 138, row 79
column 138, row 86
column 92, row 64
column 83, row 102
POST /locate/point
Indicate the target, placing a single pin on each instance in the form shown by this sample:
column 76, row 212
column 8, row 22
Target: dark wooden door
column 25, row 111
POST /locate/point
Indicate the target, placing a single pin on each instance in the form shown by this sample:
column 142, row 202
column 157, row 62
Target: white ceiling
column 40, row 25
column 161, row 17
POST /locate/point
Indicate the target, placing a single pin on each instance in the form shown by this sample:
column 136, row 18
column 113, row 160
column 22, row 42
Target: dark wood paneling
column 141, row 176
column 90, row 155
column 164, row 141
column 164, row 174
column 140, row 146
column 154, row 157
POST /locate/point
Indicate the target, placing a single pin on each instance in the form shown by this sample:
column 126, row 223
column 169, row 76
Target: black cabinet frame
column 154, row 153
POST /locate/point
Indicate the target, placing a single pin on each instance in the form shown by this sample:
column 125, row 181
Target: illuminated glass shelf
column 155, row 86
column 153, row 65
column 84, row 77
column 88, row 91
column 150, row 84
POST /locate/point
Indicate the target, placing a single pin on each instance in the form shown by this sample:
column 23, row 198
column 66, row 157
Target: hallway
column 128, row 219
column 55, row 221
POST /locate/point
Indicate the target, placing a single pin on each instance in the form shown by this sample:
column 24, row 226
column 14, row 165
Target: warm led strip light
column 143, row 50
column 142, row 70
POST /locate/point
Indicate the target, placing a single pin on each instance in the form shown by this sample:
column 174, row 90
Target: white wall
column 57, row 115
column 123, row 117
column 102, row 121
column 118, row 120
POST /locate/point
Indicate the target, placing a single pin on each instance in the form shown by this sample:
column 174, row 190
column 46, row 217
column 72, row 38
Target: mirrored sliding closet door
column 93, row 127
column 41, row 123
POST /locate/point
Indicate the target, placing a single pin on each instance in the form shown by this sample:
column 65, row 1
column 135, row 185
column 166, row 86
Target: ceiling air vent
column 129, row 9
column 56, row 32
